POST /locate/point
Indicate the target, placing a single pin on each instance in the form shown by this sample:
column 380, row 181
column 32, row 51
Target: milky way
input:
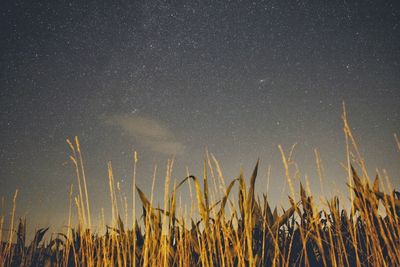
column 172, row 79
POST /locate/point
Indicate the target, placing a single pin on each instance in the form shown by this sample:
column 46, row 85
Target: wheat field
column 240, row 230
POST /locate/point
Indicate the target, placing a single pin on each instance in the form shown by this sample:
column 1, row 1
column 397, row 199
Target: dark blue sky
column 171, row 78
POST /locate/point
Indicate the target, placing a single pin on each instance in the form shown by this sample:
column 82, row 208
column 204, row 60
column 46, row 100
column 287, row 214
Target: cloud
column 149, row 132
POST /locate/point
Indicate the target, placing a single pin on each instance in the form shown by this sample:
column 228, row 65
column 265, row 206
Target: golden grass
column 251, row 233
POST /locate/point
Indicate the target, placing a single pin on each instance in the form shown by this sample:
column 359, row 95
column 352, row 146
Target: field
column 242, row 232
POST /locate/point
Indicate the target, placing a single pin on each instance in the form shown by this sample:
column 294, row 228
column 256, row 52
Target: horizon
column 172, row 80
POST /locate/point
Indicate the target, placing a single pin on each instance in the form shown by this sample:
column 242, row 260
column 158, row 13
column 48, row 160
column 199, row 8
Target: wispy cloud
column 149, row 132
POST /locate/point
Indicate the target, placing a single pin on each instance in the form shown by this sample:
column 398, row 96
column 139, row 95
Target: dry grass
column 247, row 232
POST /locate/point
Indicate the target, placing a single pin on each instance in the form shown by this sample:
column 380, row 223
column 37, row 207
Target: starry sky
column 169, row 78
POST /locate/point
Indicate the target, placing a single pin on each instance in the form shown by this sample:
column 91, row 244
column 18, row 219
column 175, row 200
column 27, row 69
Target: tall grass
column 246, row 232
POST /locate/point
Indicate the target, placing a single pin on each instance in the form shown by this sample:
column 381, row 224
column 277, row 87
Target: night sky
column 170, row 79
